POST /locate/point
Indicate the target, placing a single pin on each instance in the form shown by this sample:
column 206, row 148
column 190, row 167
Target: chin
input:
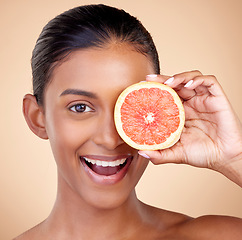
column 97, row 188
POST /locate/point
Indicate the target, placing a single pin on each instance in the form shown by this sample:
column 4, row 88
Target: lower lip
column 107, row 180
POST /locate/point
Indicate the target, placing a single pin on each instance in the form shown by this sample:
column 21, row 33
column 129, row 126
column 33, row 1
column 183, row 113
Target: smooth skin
column 88, row 209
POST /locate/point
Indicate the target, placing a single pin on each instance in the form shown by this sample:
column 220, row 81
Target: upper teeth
column 106, row 163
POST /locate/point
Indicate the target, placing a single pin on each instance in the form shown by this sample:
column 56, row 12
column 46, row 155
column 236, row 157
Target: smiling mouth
column 106, row 168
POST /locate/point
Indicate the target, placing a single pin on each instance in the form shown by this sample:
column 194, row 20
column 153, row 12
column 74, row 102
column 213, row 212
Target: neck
column 74, row 217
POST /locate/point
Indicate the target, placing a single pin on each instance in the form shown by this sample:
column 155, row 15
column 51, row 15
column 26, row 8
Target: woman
column 82, row 61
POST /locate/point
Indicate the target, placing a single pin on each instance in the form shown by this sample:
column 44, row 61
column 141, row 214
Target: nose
column 106, row 134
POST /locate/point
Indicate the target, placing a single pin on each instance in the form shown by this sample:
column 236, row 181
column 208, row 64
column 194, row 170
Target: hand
column 212, row 136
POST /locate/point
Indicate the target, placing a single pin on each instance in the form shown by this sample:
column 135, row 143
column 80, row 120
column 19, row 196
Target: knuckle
column 196, row 72
column 212, row 77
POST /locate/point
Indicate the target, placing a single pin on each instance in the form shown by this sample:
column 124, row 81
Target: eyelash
column 81, row 110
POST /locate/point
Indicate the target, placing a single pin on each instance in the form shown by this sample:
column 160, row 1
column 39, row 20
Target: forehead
column 95, row 69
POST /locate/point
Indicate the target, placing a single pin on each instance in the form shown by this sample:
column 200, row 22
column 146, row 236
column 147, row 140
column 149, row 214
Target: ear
column 34, row 116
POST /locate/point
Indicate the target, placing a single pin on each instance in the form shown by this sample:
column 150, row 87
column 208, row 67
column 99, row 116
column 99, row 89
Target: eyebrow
column 71, row 91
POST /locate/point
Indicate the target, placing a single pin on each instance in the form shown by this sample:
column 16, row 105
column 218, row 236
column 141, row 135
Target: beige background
column 189, row 34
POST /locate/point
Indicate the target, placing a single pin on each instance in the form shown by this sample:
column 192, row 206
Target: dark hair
column 84, row 27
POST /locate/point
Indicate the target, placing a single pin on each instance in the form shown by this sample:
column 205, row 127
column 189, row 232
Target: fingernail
column 170, row 80
column 188, row 84
column 143, row 155
column 151, row 76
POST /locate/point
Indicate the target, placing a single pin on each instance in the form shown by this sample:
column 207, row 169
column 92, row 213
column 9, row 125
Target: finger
column 186, row 94
column 157, row 78
column 203, row 84
column 179, row 80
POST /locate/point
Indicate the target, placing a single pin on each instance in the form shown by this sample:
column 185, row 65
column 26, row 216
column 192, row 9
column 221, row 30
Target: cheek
column 67, row 137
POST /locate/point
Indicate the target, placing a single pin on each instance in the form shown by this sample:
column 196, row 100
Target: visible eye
column 80, row 108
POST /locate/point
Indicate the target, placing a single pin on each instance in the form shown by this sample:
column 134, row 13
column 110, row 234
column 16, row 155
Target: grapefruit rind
column 172, row 139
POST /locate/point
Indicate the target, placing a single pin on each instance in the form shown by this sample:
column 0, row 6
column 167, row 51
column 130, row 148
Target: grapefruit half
column 149, row 116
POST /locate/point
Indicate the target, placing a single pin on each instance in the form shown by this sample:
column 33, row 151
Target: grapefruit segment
column 149, row 116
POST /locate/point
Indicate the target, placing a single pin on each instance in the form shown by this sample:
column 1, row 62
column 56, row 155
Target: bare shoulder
column 212, row 227
column 23, row 236
column 166, row 217
column 172, row 225
column 30, row 234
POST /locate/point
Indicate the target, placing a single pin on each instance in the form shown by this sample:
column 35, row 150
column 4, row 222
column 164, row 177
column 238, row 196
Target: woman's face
column 93, row 162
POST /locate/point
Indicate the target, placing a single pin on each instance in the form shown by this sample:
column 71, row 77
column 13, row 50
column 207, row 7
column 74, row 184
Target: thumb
column 163, row 156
